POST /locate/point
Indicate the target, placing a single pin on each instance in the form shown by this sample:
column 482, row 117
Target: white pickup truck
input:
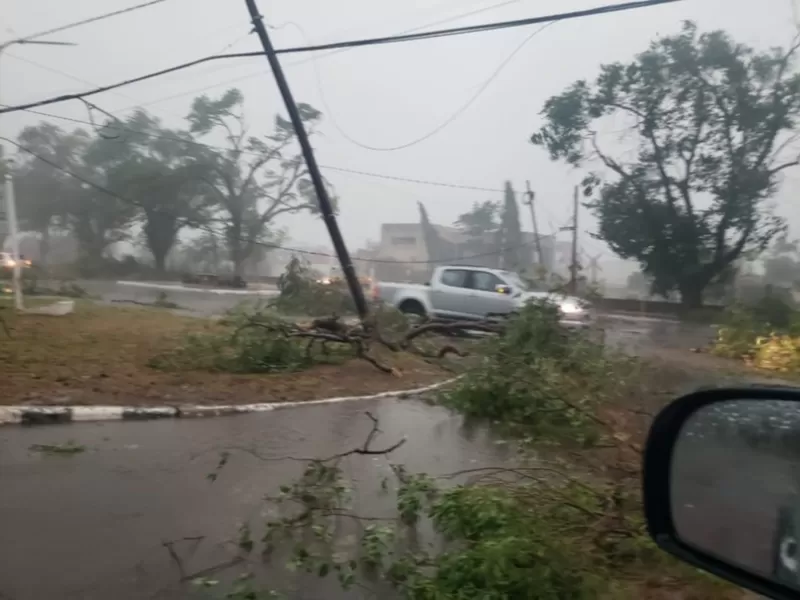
column 465, row 293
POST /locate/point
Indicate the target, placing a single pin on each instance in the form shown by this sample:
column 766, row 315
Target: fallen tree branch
column 360, row 336
column 365, row 449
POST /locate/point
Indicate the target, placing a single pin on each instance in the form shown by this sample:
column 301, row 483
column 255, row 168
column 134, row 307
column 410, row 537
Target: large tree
column 159, row 174
column 101, row 215
column 252, row 180
column 708, row 130
column 44, row 193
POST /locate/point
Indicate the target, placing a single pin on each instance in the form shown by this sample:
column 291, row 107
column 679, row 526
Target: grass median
column 105, row 355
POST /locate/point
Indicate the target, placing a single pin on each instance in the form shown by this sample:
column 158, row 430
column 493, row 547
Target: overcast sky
column 378, row 96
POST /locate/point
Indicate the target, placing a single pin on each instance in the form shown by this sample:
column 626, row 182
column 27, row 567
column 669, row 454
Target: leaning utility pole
column 531, row 197
column 573, row 267
column 325, row 206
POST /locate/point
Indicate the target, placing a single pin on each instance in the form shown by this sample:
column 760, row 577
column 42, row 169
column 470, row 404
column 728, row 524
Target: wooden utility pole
column 531, row 197
column 325, row 206
column 573, row 267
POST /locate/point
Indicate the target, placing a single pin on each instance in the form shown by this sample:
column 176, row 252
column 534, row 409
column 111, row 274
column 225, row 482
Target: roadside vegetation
column 564, row 520
column 152, row 356
column 299, row 293
column 764, row 334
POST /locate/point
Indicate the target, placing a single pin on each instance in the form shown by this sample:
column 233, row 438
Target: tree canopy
column 483, row 218
column 162, row 181
column 707, row 130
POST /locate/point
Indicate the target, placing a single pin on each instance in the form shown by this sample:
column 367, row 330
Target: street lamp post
column 11, row 209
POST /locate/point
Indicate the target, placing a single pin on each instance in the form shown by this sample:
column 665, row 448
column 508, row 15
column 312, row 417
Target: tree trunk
column 691, row 295
column 160, row 259
column 237, row 258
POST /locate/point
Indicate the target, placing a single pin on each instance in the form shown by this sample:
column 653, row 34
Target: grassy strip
column 103, row 355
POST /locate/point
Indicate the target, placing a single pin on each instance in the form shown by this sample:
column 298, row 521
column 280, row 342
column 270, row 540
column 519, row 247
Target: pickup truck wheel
column 413, row 310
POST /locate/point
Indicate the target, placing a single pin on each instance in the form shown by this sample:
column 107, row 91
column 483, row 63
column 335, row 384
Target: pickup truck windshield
column 516, row 281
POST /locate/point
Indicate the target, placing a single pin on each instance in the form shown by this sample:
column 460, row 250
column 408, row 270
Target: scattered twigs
column 366, row 448
column 170, row 545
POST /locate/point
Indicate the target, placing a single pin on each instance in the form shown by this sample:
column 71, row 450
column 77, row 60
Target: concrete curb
column 173, row 287
column 51, row 415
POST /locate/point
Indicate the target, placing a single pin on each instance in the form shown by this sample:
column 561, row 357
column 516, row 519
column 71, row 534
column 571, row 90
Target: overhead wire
column 113, row 194
column 119, row 125
column 354, row 44
column 289, row 65
column 50, row 69
column 95, row 19
column 453, row 116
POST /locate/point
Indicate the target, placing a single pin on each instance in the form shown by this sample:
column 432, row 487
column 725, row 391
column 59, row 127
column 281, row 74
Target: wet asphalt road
column 204, row 303
column 92, row 526
column 638, row 335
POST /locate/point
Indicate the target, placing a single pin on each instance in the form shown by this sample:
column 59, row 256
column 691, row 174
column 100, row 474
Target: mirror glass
column 735, row 485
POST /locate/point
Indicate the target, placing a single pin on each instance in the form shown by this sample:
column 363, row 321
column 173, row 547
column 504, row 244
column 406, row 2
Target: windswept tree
column 253, row 180
column 100, row 215
column 44, row 192
column 708, row 131
column 437, row 248
column 156, row 170
column 481, row 220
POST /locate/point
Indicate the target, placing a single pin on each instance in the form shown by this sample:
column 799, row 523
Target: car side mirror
column 503, row 289
column 722, row 485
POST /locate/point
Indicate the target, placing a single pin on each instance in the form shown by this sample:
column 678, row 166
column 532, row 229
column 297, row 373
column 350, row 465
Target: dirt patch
column 99, row 355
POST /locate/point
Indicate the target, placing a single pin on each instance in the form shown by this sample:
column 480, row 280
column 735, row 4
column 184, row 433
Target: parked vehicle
column 473, row 293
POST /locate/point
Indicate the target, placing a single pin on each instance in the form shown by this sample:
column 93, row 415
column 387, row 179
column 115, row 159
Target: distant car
column 335, row 276
column 464, row 293
column 7, row 261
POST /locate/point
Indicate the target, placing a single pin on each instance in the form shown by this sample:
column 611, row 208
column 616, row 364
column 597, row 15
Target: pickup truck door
column 449, row 294
column 484, row 299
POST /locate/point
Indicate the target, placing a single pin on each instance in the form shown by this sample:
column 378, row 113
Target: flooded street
column 93, row 526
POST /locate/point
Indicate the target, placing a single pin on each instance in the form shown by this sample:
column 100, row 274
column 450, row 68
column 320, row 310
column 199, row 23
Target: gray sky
column 380, row 96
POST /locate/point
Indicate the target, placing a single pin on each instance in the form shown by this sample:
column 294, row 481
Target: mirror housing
column 720, row 489
column 503, row 289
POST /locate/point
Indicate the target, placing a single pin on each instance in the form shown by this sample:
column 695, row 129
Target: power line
column 304, row 61
column 394, row 39
column 118, row 124
column 120, row 94
column 89, row 20
column 113, row 194
column 406, row 31
column 453, row 116
column 354, row 44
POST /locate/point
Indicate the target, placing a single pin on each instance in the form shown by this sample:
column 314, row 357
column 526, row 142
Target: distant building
column 405, row 243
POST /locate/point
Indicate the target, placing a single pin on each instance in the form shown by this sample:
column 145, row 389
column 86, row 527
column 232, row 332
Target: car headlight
column 11, row 262
column 571, row 308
